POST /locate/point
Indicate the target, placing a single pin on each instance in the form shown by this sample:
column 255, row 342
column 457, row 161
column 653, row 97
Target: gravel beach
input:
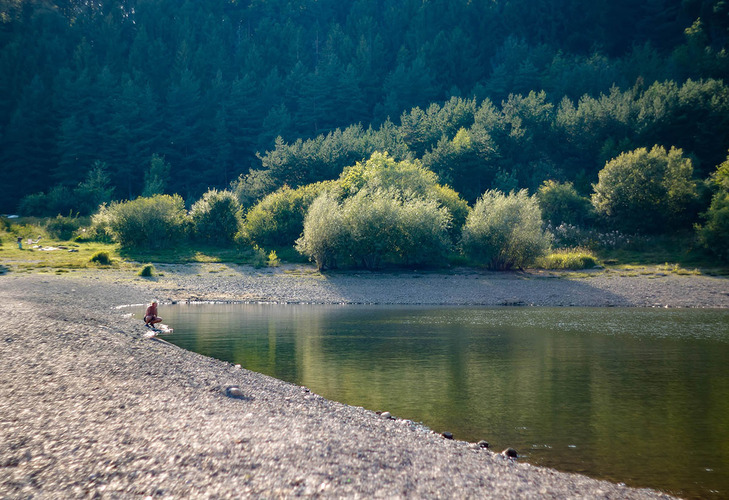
column 91, row 408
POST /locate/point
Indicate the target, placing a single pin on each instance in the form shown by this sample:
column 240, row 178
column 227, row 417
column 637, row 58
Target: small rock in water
column 234, row 392
column 386, row 414
column 510, row 453
column 447, row 435
column 483, row 444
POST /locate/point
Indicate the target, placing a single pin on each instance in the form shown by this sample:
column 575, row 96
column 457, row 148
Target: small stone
column 447, row 435
column 483, row 444
column 234, row 392
column 510, row 453
column 238, row 367
column 386, row 414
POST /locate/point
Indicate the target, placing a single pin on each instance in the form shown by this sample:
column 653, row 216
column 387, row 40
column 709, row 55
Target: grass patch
column 54, row 254
column 569, row 259
column 147, row 271
column 101, row 258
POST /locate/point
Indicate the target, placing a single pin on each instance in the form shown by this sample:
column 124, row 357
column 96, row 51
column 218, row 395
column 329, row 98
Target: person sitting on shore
column 150, row 315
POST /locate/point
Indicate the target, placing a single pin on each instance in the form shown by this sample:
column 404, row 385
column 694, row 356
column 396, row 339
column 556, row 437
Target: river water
column 639, row 396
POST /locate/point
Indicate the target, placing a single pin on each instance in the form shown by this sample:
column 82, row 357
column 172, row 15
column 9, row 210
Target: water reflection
column 632, row 395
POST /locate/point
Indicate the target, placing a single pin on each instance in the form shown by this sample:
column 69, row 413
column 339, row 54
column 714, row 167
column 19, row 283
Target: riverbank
column 89, row 406
column 646, row 287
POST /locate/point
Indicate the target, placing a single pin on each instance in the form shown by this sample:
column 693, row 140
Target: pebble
column 386, row 415
column 510, row 453
column 234, row 392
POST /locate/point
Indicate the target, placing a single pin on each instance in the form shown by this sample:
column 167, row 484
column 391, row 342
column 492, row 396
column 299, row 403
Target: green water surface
column 639, row 396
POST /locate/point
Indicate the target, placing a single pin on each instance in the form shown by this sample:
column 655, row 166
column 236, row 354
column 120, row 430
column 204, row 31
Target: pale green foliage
column 382, row 171
column 561, row 203
column 371, row 227
column 156, row 222
column 409, row 178
column 374, row 227
column 423, row 237
column 505, row 231
column 216, row 217
column 569, row 259
column 323, row 238
column 646, row 190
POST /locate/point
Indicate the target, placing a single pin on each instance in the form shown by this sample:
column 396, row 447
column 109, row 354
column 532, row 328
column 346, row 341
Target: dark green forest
column 486, row 93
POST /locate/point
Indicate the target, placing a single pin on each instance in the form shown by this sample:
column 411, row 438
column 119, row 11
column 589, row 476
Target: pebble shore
column 91, row 408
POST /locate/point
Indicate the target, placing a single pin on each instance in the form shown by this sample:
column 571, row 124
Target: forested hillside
column 487, row 93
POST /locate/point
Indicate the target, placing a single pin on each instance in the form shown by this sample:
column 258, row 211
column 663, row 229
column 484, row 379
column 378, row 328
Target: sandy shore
column 89, row 407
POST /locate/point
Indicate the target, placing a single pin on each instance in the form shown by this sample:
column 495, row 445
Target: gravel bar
column 91, row 408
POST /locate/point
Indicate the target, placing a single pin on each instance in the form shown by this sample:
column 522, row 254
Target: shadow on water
column 639, row 396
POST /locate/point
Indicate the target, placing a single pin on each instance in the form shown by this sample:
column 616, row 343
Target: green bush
column 101, row 258
column 569, row 259
column 505, row 231
column 375, row 227
column 410, row 178
column 147, row 271
column 323, row 236
column 423, row 232
column 647, row 191
column 156, row 222
column 561, row 203
column 216, row 217
column 714, row 232
column 278, row 219
column 249, row 189
column 259, row 259
column 63, row 228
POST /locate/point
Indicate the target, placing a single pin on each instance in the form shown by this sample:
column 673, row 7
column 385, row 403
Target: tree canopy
column 488, row 95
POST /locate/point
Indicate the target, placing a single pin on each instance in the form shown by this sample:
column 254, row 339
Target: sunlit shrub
column 409, row 178
column 101, row 258
column 569, row 259
column 505, row 231
column 647, row 191
column 216, row 217
column 156, row 222
column 323, row 237
column 372, row 228
column 423, row 237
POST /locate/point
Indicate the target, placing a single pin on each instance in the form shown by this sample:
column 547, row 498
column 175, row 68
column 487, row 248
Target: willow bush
column 372, row 228
column 505, row 231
